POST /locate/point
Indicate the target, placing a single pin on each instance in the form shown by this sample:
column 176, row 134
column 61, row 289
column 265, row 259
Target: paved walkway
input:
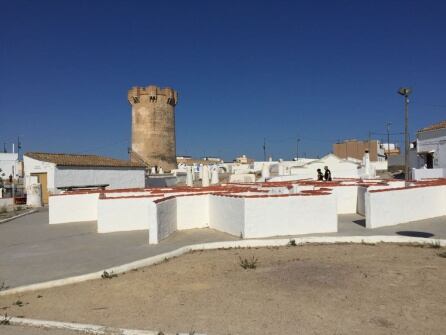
column 33, row 251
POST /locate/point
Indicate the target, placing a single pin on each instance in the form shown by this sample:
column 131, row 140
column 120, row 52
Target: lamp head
column 405, row 91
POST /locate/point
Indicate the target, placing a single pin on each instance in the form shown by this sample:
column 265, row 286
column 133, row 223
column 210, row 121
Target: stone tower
column 153, row 126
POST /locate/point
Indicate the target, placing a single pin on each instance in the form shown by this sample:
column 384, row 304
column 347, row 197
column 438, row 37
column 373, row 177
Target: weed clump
column 292, row 243
column 5, row 321
column 246, row 263
column 108, row 275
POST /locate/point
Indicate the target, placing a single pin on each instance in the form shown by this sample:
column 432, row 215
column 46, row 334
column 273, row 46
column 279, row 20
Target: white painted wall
column 242, row 178
column 419, row 174
column 32, row 165
column 360, row 202
column 9, row 165
column 346, row 199
column 116, row 177
column 73, row 208
column 405, row 205
column 125, row 214
column 227, row 214
column 192, row 211
column 340, row 168
column 379, row 165
column 167, row 218
column 58, row 176
column 433, row 141
column 293, row 215
column 6, row 203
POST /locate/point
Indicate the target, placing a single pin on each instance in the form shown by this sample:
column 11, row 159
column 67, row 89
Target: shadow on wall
column 360, row 222
column 415, row 233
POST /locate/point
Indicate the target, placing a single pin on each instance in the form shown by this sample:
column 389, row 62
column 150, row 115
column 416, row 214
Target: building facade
column 56, row 171
column 355, row 149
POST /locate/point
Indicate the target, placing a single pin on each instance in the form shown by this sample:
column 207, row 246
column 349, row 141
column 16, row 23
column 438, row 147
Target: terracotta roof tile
column 82, row 160
column 436, row 126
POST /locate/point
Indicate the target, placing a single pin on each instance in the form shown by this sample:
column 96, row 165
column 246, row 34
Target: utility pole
column 388, row 124
column 297, row 148
column 264, row 149
column 19, row 146
column 406, row 91
column 370, row 138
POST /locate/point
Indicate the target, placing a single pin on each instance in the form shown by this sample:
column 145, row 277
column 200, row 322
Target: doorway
column 42, row 179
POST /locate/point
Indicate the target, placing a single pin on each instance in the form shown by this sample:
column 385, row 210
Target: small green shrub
column 435, row 244
column 18, row 303
column 292, row 243
column 248, row 263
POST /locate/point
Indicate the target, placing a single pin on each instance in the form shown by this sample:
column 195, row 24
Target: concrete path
column 32, row 251
column 354, row 224
column 22, row 330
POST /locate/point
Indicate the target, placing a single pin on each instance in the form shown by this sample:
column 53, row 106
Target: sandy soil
column 325, row 289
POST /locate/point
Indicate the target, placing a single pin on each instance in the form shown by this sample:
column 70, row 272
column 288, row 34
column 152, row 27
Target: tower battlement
column 152, row 94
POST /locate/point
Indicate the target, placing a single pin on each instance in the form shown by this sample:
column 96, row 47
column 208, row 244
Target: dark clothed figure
column 327, row 174
column 320, row 176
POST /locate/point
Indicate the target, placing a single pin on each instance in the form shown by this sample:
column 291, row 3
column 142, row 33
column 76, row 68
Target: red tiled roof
column 83, row 160
column 436, row 126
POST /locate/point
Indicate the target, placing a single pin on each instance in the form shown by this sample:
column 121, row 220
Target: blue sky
column 245, row 70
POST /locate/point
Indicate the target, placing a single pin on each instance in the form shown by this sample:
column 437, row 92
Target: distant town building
column 431, row 149
column 10, row 165
column 58, row 171
column 391, row 149
column 355, row 149
column 243, row 160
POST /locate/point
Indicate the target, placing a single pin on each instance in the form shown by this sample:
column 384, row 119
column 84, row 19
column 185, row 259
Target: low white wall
column 360, row 202
column 291, row 215
column 346, row 199
column 125, row 214
column 227, row 214
column 419, row 174
column 73, row 208
column 379, row 165
column 393, row 207
column 6, row 203
column 166, row 211
column 192, row 211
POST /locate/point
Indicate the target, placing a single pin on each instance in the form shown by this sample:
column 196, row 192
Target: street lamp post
column 406, row 91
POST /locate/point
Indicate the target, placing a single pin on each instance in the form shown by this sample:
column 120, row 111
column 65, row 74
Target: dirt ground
column 313, row 289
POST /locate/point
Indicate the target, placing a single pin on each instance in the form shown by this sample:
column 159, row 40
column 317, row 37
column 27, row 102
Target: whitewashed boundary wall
column 227, row 214
column 192, row 211
column 290, row 215
column 73, row 208
column 346, row 199
column 125, row 214
column 391, row 207
column 166, row 211
column 419, row 174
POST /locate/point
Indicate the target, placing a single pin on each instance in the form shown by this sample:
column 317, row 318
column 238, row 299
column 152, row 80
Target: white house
column 56, row 171
column 9, row 165
column 431, row 148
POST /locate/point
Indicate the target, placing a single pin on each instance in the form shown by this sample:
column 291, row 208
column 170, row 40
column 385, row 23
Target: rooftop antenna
column 264, row 149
